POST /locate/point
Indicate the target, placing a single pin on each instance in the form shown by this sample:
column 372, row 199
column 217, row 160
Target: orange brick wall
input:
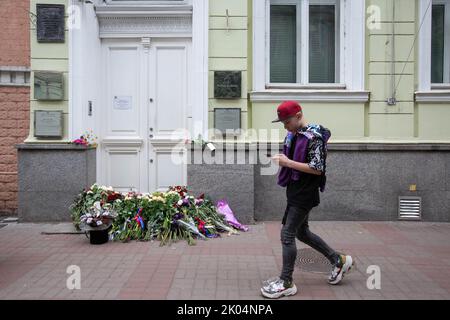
column 14, row 35
column 14, row 101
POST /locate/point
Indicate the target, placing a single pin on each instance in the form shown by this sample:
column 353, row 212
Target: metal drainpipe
column 392, row 101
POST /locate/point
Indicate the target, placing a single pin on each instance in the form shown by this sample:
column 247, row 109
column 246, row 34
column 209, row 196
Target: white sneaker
column 276, row 288
column 344, row 266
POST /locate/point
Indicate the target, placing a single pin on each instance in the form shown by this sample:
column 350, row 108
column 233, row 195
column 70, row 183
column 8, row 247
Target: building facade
column 14, row 95
column 145, row 76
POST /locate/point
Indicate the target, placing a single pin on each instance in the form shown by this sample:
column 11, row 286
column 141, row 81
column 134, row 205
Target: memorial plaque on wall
column 228, row 119
column 227, row 84
column 48, row 124
column 50, row 23
column 48, row 85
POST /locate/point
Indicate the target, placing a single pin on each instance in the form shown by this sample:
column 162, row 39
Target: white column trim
column 200, row 32
column 75, row 46
column 259, row 44
column 425, row 47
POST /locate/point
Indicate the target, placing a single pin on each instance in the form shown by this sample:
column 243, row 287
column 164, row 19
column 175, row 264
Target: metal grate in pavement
column 310, row 260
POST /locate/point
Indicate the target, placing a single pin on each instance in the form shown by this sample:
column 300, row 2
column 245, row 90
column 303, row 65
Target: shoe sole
column 348, row 266
column 285, row 293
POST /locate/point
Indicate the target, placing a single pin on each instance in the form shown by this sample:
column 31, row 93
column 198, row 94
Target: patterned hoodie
column 304, row 145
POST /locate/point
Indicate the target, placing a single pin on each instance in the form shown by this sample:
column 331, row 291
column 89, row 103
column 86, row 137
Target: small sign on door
column 123, row 102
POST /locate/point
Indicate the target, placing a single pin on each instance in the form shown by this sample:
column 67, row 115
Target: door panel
column 145, row 103
column 169, row 88
column 123, row 93
column 169, row 84
column 123, row 169
column 167, row 172
column 123, row 119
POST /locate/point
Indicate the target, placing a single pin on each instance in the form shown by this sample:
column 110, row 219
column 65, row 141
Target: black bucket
column 99, row 236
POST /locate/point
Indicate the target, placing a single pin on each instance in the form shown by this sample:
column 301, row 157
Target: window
column 434, row 50
column 322, row 43
column 146, row 2
column 304, row 41
column 440, row 42
column 309, row 50
column 283, row 44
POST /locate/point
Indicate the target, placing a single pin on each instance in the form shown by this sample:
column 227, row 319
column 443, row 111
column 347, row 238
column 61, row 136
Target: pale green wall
column 48, row 57
column 384, row 121
column 229, row 50
column 374, row 121
column 349, row 122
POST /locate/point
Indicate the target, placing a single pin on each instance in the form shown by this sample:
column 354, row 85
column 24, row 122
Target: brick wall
column 14, row 101
column 14, row 35
column 14, row 124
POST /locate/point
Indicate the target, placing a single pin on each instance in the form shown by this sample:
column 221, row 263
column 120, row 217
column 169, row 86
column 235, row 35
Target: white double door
column 146, row 106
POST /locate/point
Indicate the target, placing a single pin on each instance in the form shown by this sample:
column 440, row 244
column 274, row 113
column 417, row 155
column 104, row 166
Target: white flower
column 110, row 188
column 99, row 223
column 89, row 221
column 90, row 192
column 180, row 202
column 97, row 205
column 118, row 201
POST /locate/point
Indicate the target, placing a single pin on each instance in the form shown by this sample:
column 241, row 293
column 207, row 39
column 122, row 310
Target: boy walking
column 303, row 166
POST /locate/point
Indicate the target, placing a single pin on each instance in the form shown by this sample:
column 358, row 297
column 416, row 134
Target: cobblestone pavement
column 414, row 259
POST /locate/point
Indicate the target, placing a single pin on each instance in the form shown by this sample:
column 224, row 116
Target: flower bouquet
column 164, row 216
column 84, row 202
column 88, row 140
column 97, row 222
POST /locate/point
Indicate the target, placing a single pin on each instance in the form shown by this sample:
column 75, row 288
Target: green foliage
column 164, row 216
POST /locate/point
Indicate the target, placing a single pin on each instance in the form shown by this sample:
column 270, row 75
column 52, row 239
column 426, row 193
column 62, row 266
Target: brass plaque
column 227, row 119
column 50, row 23
column 227, row 84
column 48, row 85
column 48, row 124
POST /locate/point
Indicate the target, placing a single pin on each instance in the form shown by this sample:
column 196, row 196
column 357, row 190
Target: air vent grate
column 409, row 208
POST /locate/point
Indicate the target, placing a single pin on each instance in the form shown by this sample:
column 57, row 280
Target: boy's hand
column 281, row 160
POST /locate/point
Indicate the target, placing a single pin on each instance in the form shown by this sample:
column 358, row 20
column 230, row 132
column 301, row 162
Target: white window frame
column 427, row 91
column 446, row 42
column 302, row 11
column 350, row 59
column 149, row 2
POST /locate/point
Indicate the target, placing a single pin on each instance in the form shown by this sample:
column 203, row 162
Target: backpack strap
column 323, row 180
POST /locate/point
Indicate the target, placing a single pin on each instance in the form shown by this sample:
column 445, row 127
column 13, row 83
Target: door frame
column 85, row 45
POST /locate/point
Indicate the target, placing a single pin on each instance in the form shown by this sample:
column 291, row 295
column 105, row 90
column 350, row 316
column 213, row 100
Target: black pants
column 295, row 225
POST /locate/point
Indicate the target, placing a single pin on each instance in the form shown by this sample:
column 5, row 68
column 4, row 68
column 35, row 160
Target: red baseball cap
column 287, row 109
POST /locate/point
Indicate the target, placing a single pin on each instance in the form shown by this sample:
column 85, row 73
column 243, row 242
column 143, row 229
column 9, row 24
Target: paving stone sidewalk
column 414, row 259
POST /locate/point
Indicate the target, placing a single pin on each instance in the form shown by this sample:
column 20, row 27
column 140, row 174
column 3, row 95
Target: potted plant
column 97, row 222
